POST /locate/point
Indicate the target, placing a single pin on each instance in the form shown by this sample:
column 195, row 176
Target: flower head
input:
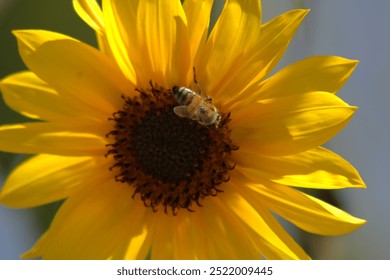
column 171, row 142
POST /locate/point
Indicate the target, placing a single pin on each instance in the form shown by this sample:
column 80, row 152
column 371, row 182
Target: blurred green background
column 351, row 28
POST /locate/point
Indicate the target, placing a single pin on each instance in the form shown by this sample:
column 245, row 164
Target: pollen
column 170, row 161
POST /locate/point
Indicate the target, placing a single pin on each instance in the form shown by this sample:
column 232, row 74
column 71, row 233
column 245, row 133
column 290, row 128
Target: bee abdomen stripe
column 184, row 96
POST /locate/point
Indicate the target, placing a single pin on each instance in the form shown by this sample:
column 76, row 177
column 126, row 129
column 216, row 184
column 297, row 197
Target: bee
column 196, row 106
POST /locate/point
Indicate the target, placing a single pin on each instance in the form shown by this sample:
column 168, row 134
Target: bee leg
column 195, row 80
column 197, row 84
column 201, row 93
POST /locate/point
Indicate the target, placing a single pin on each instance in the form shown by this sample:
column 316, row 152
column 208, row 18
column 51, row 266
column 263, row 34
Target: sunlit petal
column 316, row 168
column 27, row 94
column 45, row 178
column 234, row 34
column 80, row 71
column 305, row 211
column 291, row 124
column 51, row 138
column 82, row 235
column 198, row 17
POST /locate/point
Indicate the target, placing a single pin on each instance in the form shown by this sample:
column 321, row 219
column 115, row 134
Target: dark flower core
column 169, row 160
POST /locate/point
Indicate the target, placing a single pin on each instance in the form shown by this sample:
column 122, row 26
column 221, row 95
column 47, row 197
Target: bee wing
column 182, row 111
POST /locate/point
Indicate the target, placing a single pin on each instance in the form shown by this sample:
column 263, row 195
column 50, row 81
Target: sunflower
column 172, row 143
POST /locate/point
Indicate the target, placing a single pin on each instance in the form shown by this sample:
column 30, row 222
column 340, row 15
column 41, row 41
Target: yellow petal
column 267, row 235
column 275, row 38
column 317, row 73
column 120, row 21
column 316, row 168
column 250, row 69
column 290, row 124
column 191, row 241
column 34, row 252
column 51, row 138
column 47, row 178
column 80, row 71
column 90, row 12
column 182, row 237
column 136, row 247
column 305, row 211
column 93, row 222
column 198, row 17
column 235, row 32
column 25, row 93
column 163, row 44
column 163, row 239
column 30, row 40
column 225, row 230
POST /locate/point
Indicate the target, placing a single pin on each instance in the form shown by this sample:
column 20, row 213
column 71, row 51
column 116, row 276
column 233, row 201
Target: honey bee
column 195, row 106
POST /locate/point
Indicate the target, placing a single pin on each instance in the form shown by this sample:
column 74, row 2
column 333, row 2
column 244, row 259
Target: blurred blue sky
column 354, row 29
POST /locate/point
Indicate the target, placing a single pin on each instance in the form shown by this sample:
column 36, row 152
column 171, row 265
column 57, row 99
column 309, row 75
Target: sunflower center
column 170, row 161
